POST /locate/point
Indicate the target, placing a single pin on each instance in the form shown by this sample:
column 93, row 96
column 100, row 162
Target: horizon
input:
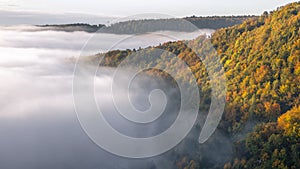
column 17, row 12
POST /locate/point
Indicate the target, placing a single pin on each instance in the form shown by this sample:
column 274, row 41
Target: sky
column 104, row 10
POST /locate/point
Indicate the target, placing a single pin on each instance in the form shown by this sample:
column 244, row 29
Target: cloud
column 38, row 123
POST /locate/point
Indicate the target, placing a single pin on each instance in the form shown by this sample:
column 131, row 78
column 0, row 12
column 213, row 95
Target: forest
column 152, row 25
column 261, row 58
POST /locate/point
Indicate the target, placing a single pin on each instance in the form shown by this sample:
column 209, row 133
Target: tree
column 290, row 122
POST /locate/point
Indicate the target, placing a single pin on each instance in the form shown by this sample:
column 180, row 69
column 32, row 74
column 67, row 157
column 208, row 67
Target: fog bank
column 38, row 123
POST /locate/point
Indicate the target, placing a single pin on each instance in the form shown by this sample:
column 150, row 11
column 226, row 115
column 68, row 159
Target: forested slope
column 261, row 58
column 153, row 25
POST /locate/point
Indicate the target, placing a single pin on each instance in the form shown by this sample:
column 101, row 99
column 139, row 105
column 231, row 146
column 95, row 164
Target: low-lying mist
column 38, row 123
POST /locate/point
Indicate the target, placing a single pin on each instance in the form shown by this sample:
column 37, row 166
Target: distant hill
column 217, row 22
column 152, row 25
column 72, row 27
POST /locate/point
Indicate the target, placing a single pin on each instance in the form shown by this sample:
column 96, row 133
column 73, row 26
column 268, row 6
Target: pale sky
column 124, row 8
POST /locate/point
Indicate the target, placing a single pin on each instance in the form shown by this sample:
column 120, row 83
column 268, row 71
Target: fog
column 38, row 124
column 17, row 17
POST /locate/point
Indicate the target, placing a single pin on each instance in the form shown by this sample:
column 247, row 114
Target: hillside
column 261, row 58
column 262, row 62
column 217, row 22
column 152, row 25
column 72, row 27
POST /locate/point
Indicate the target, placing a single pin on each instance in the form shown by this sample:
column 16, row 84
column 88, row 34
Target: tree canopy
column 261, row 58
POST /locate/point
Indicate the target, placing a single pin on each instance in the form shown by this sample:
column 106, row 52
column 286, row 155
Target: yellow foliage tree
column 290, row 122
